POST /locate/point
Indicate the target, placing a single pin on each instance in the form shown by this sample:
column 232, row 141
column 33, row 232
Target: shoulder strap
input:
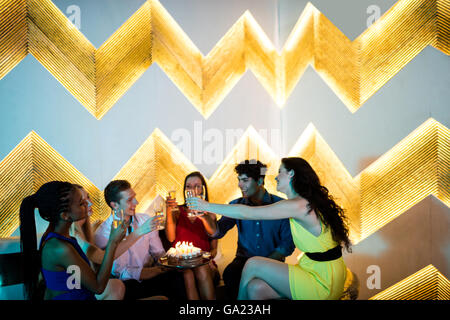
column 72, row 241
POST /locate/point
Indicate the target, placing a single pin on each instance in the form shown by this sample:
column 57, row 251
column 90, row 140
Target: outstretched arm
column 292, row 208
column 66, row 256
column 95, row 254
column 171, row 220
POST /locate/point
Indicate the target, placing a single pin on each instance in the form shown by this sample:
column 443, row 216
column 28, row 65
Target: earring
column 65, row 217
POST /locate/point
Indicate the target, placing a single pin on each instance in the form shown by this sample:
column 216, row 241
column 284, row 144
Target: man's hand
column 151, row 272
column 196, row 204
column 209, row 221
column 117, row 233
column 149, row 225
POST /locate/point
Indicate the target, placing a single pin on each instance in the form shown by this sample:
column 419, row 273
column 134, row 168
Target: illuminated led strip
column 97, row 78
column 426, row 284
column 13, row 34
column 414, row 169
column 29, row 165
column 155, row 168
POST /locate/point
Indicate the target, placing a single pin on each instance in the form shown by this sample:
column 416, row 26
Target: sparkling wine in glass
column 117, row 215
column 159, row 214
column 190, row 193
column 203, row 197
column 173, row 196
column 203, row 194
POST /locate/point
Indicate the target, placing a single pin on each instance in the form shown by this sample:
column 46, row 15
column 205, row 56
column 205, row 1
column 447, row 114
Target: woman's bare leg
column 259, row 290
column 189, row 283
column 205, row 282
column 272, row 272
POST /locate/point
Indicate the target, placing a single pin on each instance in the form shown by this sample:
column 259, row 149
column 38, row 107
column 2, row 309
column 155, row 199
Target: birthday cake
column 184, row 254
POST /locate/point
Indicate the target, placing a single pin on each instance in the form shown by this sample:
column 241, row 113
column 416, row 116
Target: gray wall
column 32, row 99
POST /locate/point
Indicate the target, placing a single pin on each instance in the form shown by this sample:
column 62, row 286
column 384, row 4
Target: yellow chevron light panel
column 156, row 167
column 13, row 34
column 426, row 284
column 62, row 50
column 415, row 168
column 97, row 78
column 31, row 164
column 122, row 59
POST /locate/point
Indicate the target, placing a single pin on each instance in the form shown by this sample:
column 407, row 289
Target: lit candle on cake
column 184, row 253
column 184, row 247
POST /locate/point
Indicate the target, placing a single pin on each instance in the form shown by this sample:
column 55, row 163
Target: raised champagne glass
column 117, row 215
column 173, row 196
column 190, row 193
column 159, row 214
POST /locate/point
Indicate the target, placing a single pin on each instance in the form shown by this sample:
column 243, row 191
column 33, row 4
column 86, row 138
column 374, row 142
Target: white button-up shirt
column 142, row 253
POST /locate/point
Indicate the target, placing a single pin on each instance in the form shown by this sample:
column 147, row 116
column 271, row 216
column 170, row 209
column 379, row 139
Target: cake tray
column 164, row 261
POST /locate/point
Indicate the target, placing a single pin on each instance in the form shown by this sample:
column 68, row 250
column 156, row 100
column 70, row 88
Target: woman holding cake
column 182, row 228
column 318, row 227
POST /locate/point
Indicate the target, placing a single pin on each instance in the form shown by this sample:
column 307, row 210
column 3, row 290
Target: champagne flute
column 190, row 193
column 159, row 214
column 203, row 194
column 203, row 197
column 117, row 215
column 173, row 196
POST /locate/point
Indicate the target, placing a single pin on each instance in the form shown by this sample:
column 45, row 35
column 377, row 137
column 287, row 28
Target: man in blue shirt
column 266, row 238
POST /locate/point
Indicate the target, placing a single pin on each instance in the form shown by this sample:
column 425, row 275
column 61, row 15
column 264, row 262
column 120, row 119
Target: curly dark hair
column 252, row 168
column 306, row 183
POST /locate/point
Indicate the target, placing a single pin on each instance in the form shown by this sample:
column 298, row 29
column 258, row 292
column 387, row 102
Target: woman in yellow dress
column 318, row 227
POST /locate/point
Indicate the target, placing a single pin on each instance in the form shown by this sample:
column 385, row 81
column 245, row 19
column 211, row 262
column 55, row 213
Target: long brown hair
column 200, row 176
column 306, row 183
